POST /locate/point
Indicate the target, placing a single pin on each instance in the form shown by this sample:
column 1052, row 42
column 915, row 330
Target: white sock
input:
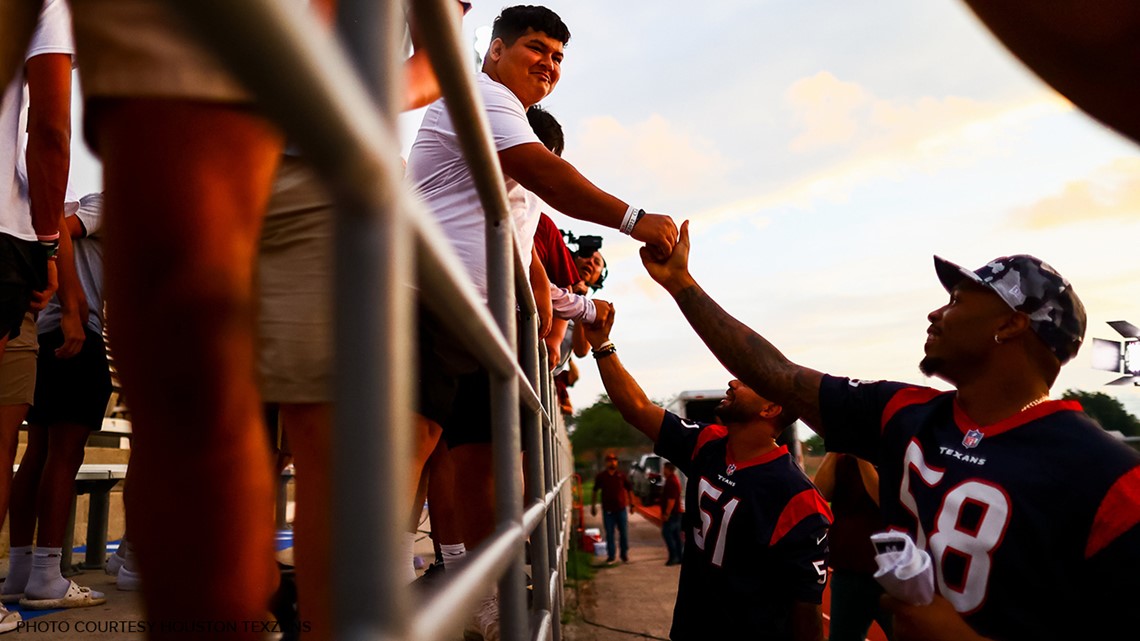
column 454, row 556
column 130, row 561
column 409, row 548
column 19, row 569
column 46, row 580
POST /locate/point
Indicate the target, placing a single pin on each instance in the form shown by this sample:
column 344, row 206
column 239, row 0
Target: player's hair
column 547, row 128
column 514, row 21
column 784, row 419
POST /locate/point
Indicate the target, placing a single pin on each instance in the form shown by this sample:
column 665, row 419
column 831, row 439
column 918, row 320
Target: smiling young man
column 754, row 563
column 522, row 66
column 1029, row 510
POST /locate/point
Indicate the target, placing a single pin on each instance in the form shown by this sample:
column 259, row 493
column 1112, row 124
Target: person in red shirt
column 671, row 514
column 617, row 498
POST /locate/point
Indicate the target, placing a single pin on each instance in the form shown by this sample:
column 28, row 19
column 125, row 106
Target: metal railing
column 337, row 99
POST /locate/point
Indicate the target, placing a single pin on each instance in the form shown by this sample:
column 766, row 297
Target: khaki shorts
column 295, row 358
column 140, row 48
column 18, row 367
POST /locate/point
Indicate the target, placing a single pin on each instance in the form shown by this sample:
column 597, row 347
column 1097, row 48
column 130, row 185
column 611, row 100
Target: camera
column 587, row 246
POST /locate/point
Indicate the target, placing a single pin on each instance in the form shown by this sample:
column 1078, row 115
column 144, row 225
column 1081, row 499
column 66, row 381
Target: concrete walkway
column 628, row 600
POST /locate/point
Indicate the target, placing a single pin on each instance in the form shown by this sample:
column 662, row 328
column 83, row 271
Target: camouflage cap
column 1029, row 285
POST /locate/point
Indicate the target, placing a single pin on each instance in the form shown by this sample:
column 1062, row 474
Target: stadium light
column 1122, row 357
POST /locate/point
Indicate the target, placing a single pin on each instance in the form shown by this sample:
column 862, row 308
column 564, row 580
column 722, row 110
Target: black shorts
column 23, row 270
column 454, row 388
column 71, row 390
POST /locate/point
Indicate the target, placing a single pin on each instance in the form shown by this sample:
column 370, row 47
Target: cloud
column 891, row 139
column 654, row 157
column 832, row 112
column 828, row 109
column 1112, row 191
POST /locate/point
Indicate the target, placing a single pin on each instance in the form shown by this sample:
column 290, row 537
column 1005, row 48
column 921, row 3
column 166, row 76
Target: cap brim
column 951, row 275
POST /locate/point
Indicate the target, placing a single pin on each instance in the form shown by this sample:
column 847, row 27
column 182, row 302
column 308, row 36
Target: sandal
column 76, row 597
column 9, row 620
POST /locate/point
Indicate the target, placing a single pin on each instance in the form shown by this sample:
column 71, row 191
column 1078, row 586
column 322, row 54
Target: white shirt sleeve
column 570, row 306
column 509, row 125
column 53, row 32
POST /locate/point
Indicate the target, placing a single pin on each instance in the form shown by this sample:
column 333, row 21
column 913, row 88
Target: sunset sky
column 823, row 152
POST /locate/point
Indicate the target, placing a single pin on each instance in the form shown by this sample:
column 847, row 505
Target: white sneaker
column 9, row 620
column 128, row 581
column 485, row 623
column 114, row 562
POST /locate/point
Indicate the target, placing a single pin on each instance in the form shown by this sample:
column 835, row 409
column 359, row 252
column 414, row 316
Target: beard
column 729, row 414
column 931, row 365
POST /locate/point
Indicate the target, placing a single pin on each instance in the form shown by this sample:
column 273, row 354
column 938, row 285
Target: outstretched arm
column 742, row 351
column 562, row 186
column 626, row 394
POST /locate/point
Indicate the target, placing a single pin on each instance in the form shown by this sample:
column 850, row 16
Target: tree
column 1106, row 410
column 600, row 427
column 813, row 445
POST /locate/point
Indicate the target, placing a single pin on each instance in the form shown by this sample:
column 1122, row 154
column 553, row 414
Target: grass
column 579, row 565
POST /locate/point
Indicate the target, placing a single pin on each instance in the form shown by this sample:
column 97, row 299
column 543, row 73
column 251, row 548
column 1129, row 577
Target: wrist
column 679, row 283
column 629, row 220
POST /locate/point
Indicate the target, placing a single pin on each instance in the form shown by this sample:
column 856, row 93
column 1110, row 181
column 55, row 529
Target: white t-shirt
column 53, row 35
column 438, row 172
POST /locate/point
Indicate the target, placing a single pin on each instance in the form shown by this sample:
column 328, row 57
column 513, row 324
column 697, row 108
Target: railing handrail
column 385, row 236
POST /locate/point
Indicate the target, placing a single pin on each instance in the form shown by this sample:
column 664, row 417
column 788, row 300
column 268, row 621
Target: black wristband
column 602, row 353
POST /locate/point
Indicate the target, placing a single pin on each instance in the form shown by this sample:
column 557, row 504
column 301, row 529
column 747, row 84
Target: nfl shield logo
column 972, row 438
column 731, row 468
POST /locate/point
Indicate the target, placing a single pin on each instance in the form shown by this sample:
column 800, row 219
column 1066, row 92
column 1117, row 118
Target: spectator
column 295, row 356
column 671, row 514
column 34, row 161
column 70, row 402
column 617, row 505
column 521, row 67
column 755, row 552
column 852, row 486
column 964, row 468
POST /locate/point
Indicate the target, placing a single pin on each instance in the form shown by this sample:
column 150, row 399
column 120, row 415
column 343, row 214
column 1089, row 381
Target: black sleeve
column 852, row 413
column 678, row 440
column 805, row 555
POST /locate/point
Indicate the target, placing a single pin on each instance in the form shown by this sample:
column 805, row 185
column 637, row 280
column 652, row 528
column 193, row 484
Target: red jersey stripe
column 707, row 435
column 904, row 398
column 800, row 507
column 965, row 423
column 1118, row 512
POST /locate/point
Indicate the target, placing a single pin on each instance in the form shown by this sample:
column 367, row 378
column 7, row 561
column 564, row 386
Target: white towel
column 905, row 571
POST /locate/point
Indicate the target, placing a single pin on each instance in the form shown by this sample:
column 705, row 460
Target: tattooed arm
column 742, row 351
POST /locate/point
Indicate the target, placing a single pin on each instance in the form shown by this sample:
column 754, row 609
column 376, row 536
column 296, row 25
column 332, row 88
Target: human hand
column 658, row 232
column 73, row 335
column 553, row 350
column 938, row 621
column 41, row 298
column 598, row 332
column 545, row 308
column 672, row 271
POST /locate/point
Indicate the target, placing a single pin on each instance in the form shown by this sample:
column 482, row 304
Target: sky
column 823, row 151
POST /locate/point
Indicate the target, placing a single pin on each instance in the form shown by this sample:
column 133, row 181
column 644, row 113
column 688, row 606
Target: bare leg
column 185, row 188
column 11, row 417
column 309, row 430
column 25, row 487
column 57, row 481
column 474, row 492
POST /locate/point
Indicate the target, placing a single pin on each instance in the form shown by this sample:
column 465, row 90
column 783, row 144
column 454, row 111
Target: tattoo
column 750, row 357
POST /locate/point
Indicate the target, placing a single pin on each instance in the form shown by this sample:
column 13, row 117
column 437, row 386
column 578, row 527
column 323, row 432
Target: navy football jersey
column 755, row 537
column 1031, row 522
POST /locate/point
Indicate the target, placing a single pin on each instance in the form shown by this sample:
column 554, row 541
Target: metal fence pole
column 373, row 356
column 536, row 478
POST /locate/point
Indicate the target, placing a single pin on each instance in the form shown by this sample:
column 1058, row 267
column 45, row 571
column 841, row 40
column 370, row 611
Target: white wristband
column 628, row 220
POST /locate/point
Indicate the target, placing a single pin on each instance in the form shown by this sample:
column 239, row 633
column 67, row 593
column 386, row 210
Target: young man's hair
column 547, row 128
column 514, row 21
